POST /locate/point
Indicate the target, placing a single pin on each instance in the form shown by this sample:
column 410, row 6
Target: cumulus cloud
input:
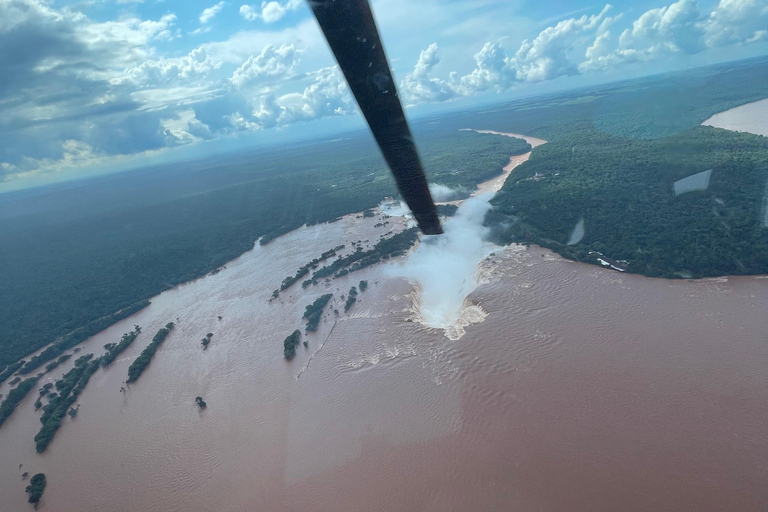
column 271, row 11
column 197, row 64
column 272, row 61
column 737, row 21
column 326, row 96
column 419, row 87
column 680, row 27
column 211, row 12
column 546, row 56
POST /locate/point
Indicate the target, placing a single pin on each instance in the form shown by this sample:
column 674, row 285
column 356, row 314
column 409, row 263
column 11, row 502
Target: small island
column 141, row 362
column 36, row 487
column 59, row 405
column 351, row 298
column 314, row 311
column 289, row 344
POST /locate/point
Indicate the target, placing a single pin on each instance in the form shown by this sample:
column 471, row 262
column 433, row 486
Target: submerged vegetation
column 314, row 311
column 386, row 248
column 69, row 388
column 114, row 350
column 36, row 487
column 351, row 298
column 55, row 364
column 290, row 343
column 15, row 396
column 207, row 340
column 200, row 402
column 304, row 269
column 141, row 362
column 10, row 370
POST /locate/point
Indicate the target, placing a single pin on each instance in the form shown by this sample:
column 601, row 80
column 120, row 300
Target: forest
column 621, row 190
column 74, row 253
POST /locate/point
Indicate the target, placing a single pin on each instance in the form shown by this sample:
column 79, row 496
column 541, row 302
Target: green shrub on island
column 384, row 249
column 351, row 299
column 304, row 270
column 314, row 311
column 207, row 340
column 289, row 344
column 200, row 402
column 15, row 396
column 141, row 362
column 363, row 285
column 114, row 350
column 36, row 487
column 56, row 363
column 69, row 386
column 10, row 370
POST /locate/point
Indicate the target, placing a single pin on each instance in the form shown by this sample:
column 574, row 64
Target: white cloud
column 196, row 65
column 249, row 12
column 272, row 61
column 271, row 11
column 419, row 87
column 211, row 12
column 493, row 70
column 327, row 96
column 737, row 21
column 546, row 56
column 185, row 128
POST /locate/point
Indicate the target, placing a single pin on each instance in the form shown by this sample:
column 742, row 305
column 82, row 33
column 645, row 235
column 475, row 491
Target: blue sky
column 99, row 85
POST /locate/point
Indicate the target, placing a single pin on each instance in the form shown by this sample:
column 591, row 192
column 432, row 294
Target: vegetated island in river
column 15, row 396
column 314, row 311
column 141, row 362
column 69, row 388
column 36, row 487
column 391, row 247
column 290, row 343
column 114, row 349
column 304, row 270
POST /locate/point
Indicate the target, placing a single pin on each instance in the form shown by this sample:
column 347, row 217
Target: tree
column 36, row 487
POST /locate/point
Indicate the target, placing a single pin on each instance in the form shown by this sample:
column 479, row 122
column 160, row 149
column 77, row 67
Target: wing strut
column 351, row 32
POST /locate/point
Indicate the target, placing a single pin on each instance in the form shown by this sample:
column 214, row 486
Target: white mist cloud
column 442, row 193
column 445, row 266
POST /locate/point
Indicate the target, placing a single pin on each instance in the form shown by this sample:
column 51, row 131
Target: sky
column 100, row 85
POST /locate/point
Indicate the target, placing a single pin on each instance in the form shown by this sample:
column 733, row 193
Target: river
column 582, row 389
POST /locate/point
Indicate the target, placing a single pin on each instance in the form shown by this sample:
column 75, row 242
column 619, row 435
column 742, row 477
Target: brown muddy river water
column 583, row 389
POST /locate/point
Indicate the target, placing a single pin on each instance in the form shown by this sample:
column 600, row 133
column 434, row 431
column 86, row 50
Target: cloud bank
column 79, row 91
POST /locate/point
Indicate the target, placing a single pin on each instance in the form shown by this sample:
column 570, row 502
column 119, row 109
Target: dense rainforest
column 75, row 253
column 621, row 191
column 613, row 156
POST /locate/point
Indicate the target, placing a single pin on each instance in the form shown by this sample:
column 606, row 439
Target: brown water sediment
column 751, row 118
column 583, row 389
